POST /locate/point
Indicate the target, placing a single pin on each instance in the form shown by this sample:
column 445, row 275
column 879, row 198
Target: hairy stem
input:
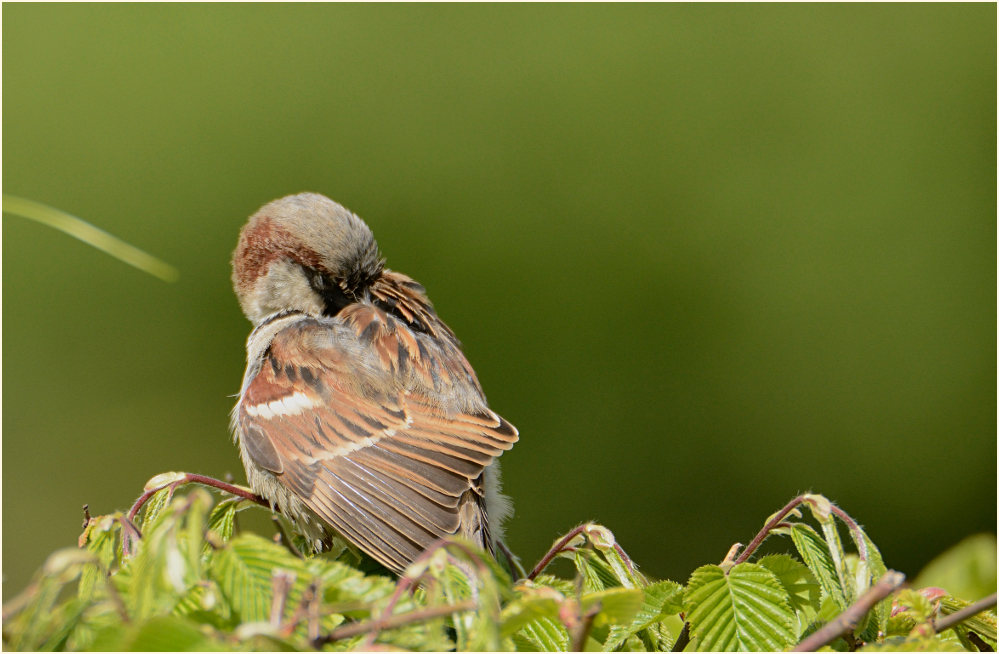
column 556, row 549
column 767, row 528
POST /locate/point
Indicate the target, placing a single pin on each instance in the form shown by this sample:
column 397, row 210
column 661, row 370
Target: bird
column 358, row 414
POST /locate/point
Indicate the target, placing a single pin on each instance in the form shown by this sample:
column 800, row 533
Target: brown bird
column 358, row 411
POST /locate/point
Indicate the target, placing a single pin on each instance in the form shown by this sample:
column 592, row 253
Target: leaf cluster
column 194, row 582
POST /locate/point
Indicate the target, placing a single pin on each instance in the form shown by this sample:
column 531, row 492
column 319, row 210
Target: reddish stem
column 767, row 528
column 556, row 549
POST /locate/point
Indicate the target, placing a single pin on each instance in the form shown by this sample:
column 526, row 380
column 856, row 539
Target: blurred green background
column 705, row 257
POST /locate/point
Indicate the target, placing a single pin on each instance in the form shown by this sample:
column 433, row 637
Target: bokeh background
column 705, row 257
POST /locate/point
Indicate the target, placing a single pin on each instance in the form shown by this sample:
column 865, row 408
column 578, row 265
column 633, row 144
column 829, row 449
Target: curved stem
column 556, row 549
column 767, row 528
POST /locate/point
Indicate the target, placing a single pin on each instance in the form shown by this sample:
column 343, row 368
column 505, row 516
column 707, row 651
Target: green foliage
column 193, row 582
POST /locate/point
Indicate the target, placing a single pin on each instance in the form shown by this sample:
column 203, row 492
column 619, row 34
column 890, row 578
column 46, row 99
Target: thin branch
column 848, row 620
column 556, row 549
column 393, row 621
column 190, row 477
column 511, row 560
column 952, row 619
column 683, row 639
column 407, row 583
column 583, row 628
column 281, row 583
column 285, row 538
column 767, row 528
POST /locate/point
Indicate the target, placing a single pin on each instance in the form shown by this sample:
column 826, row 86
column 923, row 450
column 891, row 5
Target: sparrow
column 358, row 413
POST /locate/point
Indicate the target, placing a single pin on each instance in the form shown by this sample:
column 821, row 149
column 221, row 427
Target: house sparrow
column 358, row 412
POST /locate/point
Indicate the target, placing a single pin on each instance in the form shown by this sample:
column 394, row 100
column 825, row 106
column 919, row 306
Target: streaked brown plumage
column 358, row 411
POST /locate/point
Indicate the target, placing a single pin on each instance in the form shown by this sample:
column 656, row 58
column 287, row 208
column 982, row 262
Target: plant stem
column 848, row 620
column 767, row 528
column 949, row 621
column 555, row 550
column 393, row 621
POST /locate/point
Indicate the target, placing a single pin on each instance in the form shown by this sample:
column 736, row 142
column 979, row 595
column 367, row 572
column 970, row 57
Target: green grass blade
column 90, row 235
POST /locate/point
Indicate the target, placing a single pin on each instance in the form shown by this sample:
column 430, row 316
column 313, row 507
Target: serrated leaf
column 223, row 517
column 660, row 600
column 804, row 594
column 168, row 558
column 542, row 635
column 100, row 540
column 746, row 609
column 815, row 553
column 154, row 506
column 878, row 617
column 983, row 623
column 596, row 573
column 244, row 571
column 528, row 608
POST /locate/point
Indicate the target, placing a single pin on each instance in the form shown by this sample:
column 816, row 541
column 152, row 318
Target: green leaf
column 597, row 574
column 804, row 594
column 913, row 644
column 100, row 539
column 158, row 634
column 223, row 517
column 966, row 570
column 983, row 624
column 542, row 635
column 244, row 572
column 814, row 552
column 746, row 609
column 821, row 510
column 532, row 605
column 168, row 558
column 618, row 606
column 660, row 600
column 154, row 507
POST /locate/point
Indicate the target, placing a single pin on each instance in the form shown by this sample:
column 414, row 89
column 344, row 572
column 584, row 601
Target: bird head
column 303, row 253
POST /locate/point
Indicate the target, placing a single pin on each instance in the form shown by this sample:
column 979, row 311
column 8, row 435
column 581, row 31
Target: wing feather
column 349, row 414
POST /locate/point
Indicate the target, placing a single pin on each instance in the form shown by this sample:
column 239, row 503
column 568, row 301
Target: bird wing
column 384, row 464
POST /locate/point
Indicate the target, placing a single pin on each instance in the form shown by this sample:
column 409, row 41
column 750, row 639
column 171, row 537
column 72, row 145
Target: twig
column 285, row 538
column 683, row 639
column 393, row 621
column 952, row 619
column 511, row 560
column 556, row 549
column 767, row 528
column 281, row 583
column 848, row 620
column 406, row 582
column 582, row 628
column 190, row 477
